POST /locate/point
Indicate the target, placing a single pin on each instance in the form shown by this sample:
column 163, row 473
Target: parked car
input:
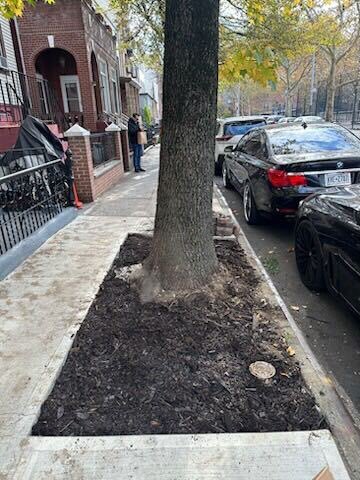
column 286, row 120
column 229, row 132
column 278, row 166
column 327, row 243
column 271, row 119
column 309, row 119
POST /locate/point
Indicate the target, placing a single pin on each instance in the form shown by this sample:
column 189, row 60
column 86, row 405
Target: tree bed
column 180, row 367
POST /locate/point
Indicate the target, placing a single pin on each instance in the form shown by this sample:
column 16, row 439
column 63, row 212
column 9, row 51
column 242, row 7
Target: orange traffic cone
column 77, row 202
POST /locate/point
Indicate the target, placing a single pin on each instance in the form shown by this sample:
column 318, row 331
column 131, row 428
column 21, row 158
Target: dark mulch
column 177, row 368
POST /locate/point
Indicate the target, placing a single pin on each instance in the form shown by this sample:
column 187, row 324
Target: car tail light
column 224, row 138
column 280, row 178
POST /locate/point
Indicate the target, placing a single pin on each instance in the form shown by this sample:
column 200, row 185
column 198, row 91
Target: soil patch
column 181, row 367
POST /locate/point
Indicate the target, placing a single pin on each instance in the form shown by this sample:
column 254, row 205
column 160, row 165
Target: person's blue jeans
column 137, row 151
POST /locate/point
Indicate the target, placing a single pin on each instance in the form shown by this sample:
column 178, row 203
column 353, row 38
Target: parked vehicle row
column 230, row 130
column 312, row 171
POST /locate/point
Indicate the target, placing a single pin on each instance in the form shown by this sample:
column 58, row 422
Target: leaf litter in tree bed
column 181, row 367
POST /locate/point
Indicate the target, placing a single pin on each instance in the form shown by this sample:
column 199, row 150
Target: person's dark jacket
column 133, row 129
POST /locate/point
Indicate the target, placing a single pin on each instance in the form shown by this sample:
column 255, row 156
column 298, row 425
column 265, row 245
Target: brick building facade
column 74, row 48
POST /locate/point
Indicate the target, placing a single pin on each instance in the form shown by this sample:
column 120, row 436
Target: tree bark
column 331, row 90
column 288, row 104
column 183, row 254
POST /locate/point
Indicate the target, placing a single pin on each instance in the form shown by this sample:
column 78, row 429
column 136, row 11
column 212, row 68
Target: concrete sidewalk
column 42, row 305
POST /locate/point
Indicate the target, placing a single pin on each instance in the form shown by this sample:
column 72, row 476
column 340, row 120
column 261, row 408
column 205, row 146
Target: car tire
column 225, row 177
column 218, row 165
column 309, row 257
column 251, row 213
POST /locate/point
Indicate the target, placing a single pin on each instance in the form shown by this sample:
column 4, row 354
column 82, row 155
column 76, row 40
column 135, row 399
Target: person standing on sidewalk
column 134, row 128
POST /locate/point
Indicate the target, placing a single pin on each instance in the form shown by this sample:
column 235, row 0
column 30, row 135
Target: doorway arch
column 58, row 67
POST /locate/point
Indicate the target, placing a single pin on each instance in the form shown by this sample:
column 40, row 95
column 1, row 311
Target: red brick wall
column 88, row 186
column 108, row 179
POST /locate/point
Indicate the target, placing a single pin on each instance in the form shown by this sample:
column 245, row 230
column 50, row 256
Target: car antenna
column 304, row 125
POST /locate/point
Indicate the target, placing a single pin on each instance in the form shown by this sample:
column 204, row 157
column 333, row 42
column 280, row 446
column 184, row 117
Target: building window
column 43, row 94
column 114, row 90
column 70, row 90
column 104, row 82
column 2, row 45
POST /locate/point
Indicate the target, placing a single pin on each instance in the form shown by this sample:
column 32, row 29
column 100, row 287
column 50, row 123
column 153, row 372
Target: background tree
column 142, row 25
column 147, row 116
column 337, row 24
column 278, row 36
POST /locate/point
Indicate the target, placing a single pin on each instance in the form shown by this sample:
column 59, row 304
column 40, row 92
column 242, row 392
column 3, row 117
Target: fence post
column 125, row 147
column 116, row 132
column 83, row 169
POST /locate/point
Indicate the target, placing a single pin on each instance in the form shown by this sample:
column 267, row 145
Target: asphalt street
column 332, row 331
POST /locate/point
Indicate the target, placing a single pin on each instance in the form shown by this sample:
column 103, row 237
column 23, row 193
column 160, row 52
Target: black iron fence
column 30, row 196
column 103, row 148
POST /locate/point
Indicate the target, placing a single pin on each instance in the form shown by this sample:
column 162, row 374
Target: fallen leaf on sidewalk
column 295, row 308
column 290, row 351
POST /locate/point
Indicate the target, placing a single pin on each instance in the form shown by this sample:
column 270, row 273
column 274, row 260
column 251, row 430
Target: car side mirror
column 229, row 149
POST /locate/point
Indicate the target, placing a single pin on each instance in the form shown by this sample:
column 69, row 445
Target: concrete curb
column 339, row 410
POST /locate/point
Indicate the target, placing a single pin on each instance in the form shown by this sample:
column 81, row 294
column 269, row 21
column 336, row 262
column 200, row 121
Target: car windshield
column 240, row 128
column 311, row 140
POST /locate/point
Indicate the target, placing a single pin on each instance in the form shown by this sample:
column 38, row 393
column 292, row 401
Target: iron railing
column 103, row 148
column 22, row 95
column 31, row 194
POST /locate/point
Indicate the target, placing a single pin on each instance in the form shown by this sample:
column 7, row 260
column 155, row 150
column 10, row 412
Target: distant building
column 129, row 72
column 150, row 93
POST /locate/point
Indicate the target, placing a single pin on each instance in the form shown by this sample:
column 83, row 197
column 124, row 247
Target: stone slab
column 260, row 456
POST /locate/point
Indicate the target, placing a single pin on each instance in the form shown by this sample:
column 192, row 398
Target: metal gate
column 32, row 192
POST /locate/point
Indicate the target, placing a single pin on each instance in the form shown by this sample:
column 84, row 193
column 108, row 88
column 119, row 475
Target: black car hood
column 347, row 197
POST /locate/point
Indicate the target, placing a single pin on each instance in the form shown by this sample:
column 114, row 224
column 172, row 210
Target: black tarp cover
column 34, row 136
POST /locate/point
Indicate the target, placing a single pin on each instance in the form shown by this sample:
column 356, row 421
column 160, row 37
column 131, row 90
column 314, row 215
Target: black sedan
column 278, row 166
column 327, row 243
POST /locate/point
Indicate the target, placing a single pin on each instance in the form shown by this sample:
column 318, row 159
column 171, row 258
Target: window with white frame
column 70, row 90
column 104, row 82
column 114, row 90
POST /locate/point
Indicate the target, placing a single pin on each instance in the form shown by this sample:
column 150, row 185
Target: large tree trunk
column 183, row 254
column 331, row 90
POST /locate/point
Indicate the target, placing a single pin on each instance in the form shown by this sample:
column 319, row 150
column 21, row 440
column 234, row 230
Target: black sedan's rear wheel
column 225, row 177
column 251, row 213
column 309, row 258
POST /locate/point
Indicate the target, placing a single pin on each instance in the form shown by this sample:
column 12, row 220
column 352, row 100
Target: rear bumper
column 285, row 201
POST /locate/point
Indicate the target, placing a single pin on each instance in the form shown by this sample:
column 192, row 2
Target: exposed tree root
column 147, row 283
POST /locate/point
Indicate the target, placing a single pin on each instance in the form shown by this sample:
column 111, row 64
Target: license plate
column 337, row 179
